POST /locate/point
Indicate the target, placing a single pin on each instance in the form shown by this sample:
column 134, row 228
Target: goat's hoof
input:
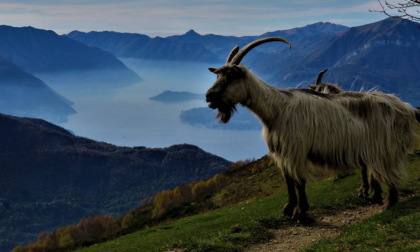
column 377, row 200
column 388, row 205
column 363, row 193
column 288, row 213
column 288, row 210
column 300, row 217
column 304, row 220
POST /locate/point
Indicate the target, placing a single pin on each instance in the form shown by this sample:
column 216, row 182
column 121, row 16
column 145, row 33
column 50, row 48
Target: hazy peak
column 192, row 33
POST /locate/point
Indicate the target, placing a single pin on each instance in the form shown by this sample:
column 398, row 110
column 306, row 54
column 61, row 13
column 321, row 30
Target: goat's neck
column 264, row 100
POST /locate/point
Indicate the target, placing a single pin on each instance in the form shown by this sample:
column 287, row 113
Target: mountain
column 143, row 47
column 42, row 51
column 217, row 44
column 192, row 46
column 23, row 94
column 380, row 55
column 299, row 37
column 50, row 178
column 119, row 44
column 272, row 57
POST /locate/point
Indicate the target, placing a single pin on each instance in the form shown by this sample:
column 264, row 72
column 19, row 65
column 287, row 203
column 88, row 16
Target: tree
column 408, row 9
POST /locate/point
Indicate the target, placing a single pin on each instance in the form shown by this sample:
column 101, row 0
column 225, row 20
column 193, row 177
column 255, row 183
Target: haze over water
column 127, row 117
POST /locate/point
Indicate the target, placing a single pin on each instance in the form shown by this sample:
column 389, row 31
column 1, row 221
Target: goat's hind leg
column 392, row 196
column 375, row 187
column 364, row 187
column 292, row 200
column 300, row 211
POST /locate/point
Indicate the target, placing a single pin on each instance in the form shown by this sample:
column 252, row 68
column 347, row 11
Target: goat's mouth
column 212, row 105
column 224, row 109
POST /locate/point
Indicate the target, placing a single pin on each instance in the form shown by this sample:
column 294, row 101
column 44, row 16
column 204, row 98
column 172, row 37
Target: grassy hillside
column 234, row 227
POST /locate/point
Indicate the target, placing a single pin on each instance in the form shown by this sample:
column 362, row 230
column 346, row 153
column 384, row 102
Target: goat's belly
column 333, row 162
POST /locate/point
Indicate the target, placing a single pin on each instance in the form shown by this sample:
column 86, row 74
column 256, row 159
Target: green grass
column 203, row 229
column 397, row 229
column 393, row 230
column 234, row 227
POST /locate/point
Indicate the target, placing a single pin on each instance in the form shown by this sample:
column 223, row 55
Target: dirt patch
column 293, row 238
column 297, row 237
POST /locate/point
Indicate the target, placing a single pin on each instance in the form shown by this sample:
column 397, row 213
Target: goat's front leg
column 364, row 187
column 300, row 211
column 292, row 200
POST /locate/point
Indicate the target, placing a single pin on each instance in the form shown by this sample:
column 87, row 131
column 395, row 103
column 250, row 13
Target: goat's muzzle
column 211, row 98
column 224, row 109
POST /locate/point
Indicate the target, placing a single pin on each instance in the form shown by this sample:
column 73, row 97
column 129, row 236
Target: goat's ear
column 312, row 86
column 212, row 69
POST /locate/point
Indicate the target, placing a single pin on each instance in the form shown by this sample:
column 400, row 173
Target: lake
column 127, row 117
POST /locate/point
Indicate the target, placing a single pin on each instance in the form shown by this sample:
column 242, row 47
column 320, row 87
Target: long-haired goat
column 340, row 132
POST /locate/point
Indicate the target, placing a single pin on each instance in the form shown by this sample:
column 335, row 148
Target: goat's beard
column 225, row 109
column 225, row 112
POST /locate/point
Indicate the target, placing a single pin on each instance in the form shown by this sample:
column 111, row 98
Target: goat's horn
column 232, row 54
column 320, row 75
column 241, row 54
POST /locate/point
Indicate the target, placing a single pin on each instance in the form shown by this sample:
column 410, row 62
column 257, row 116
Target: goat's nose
column 209, row 95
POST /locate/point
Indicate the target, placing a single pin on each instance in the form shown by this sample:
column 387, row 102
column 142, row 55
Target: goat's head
column 229, row 88
column 325, row 88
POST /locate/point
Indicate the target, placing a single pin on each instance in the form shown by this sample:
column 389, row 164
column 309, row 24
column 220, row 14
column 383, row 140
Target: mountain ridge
column 49, row 175
column 23, row 94
column 40, row 51
column 378, row 55
column 143, row 47
column 213, row 48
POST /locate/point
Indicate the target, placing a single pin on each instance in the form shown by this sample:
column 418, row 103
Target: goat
column 301, row 126
column 328, row 88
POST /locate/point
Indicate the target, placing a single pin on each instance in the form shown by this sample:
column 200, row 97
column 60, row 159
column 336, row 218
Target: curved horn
column 232, row 54
column 320, row 75
column 241, row 54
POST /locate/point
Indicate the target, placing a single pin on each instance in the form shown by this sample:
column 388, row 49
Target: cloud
column 161, row 17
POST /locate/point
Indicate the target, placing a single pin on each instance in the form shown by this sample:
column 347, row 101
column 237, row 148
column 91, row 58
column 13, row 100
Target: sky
column 169, row 17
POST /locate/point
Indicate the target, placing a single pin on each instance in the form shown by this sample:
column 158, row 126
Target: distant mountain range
column 23, row 94
column 50, row 178
column 192, row 46
column 37, row 50
column 143, row 47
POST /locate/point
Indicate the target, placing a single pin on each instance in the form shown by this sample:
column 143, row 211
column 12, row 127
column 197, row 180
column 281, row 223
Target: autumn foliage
column 169, row 199
column 86, row 232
